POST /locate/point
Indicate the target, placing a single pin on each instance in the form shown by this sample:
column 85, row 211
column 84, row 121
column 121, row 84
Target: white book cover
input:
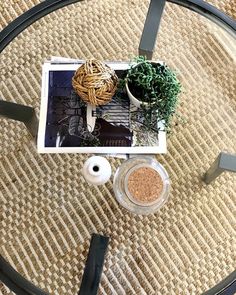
column 68, row 125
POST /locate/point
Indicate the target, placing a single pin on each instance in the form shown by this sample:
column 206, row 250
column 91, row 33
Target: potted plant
column 154, row 87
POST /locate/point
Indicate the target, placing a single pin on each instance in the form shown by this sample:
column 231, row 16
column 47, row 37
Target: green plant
column 157, row 86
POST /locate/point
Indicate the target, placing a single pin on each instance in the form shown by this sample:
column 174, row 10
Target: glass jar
column 122, row 193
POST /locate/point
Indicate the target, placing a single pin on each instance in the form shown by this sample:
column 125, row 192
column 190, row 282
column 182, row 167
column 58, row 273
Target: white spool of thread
column 96, row 170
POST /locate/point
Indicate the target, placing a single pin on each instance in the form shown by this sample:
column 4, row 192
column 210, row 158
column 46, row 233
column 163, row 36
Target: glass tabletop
column 48, row 211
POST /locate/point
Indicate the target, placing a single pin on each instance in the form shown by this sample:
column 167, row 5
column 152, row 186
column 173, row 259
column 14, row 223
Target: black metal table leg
column 20, row 113
column 94, row 265
column 224, row 162
column 151, row 27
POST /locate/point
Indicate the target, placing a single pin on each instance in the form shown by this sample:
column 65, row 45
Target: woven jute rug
column 48, row 212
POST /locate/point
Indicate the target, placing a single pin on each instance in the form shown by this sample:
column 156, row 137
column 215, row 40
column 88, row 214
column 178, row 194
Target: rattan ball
column 95, row 82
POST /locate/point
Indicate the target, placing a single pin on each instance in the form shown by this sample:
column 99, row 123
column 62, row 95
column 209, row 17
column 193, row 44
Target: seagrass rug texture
column 48, row 212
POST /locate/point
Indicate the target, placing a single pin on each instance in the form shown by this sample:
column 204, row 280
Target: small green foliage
column 157, row 86
column 93, row 141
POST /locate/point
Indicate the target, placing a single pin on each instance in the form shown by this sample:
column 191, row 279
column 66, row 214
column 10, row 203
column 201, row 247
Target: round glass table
column 48, row 212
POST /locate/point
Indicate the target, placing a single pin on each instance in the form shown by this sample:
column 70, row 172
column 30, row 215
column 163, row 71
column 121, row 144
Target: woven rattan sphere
column 95, row 82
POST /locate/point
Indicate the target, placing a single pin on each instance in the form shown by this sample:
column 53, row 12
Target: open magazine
column 68, row 125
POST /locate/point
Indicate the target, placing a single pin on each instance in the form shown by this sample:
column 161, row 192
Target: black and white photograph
column 68, row 123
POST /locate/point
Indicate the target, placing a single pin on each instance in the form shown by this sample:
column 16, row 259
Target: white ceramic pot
column 135, row 101
column 96, row 170
column 132, row 98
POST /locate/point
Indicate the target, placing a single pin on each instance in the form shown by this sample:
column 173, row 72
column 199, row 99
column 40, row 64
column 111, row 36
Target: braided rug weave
column 48, row 212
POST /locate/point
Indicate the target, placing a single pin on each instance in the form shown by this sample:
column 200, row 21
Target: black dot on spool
column 95, row 168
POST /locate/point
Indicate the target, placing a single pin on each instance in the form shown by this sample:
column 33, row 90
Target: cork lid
column 143, row 185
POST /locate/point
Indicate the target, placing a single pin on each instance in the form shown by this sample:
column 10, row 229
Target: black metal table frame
column 27, row 115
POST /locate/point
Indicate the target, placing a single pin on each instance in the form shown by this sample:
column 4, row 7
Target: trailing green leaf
column 157, row 86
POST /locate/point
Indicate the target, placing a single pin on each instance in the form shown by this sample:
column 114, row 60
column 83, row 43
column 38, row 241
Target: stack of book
column 69, row 125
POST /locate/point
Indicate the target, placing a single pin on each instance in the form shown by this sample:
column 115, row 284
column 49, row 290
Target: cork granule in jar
column 145, row 185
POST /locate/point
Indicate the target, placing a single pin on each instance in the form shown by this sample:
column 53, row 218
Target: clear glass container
column 122, row 193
